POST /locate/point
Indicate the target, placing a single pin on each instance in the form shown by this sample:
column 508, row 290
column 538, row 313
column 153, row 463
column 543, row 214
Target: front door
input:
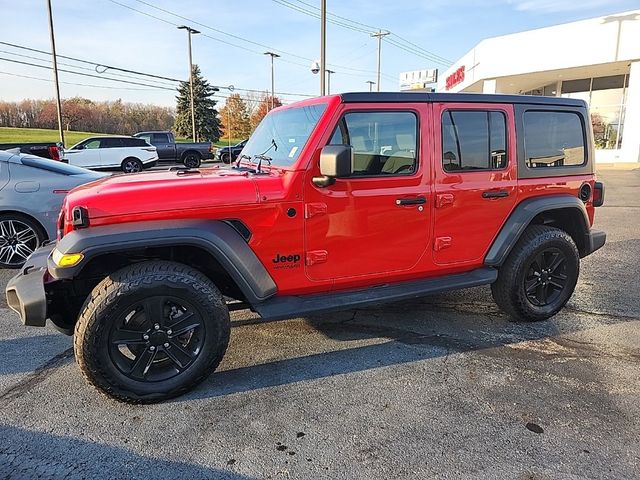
column 377, row 222
column 88, row 156
column 475, row 178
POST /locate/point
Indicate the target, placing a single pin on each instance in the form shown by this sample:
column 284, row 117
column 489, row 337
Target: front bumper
column 595, row 239
column 26, row 291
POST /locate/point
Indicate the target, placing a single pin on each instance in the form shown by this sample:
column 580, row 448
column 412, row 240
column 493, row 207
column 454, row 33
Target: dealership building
column 597, row 60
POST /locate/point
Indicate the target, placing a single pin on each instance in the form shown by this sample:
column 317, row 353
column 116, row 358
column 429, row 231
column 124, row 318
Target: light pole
column 329, row 72
column 190, row 32
column 323, row 44
column 55, row 73
column 272, row 55
column 379, row 35
column 371, row 84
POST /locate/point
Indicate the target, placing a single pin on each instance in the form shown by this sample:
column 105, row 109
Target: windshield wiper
column 240, row 158
column 260, row 158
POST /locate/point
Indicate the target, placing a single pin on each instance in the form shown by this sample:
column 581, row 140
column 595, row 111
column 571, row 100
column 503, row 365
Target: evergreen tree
column 207, row 122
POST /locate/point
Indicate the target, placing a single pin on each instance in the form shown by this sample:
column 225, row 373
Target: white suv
column 127, row 153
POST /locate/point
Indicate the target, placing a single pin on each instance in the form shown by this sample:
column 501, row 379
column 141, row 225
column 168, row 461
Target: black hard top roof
column 415, row 97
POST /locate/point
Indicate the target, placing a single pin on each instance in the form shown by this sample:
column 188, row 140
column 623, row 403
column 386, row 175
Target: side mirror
column 336, row 161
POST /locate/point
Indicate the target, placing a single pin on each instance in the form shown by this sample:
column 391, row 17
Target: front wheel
column 539, row 275
column 19, row 238
column 151, row 331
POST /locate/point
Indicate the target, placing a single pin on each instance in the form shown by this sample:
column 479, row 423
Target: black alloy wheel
column 546, row 277
column 157, row 339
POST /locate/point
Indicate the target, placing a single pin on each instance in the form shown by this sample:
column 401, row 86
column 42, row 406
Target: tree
column 207, row 123
column 262, row 109
column 234, row 117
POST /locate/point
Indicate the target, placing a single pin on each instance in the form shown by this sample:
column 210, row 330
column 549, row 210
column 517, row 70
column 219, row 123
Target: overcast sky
column 107, row 32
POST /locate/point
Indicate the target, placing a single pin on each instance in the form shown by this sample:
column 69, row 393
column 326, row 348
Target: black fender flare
column 521, row 217
column 216, row 237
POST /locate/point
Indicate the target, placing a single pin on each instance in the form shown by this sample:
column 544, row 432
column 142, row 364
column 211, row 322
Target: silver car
column 31, row 193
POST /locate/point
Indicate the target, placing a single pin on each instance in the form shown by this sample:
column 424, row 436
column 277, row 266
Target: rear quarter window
column 554, row 139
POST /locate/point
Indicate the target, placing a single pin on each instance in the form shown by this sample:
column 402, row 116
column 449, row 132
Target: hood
column 145, row 193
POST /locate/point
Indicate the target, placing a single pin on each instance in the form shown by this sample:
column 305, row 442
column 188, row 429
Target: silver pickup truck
column 190, row 154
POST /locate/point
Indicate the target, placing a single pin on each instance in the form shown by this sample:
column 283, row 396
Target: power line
column 231, row 88
column 108, row 67
column 72, row 83
column 358, row 27
column 195, row 22
column 87, row 74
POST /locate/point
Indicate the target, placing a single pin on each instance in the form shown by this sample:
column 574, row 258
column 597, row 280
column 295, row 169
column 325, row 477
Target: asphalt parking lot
column 443, row 387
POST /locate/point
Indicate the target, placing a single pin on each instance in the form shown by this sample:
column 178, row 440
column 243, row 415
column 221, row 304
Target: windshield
column 282, row 135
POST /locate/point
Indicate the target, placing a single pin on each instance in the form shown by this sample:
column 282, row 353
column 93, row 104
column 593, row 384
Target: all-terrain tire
column 114, row 296
column 519, row 273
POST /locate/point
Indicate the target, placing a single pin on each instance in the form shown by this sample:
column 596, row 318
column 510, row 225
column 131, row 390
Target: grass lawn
column 27, row 135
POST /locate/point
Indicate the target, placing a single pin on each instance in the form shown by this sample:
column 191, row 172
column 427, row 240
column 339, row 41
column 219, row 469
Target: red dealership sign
column 455, row 78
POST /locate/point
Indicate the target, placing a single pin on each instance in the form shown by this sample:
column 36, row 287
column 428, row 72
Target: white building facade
column 597, row 60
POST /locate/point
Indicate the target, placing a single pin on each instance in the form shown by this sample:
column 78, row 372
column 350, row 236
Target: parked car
column 129, row 154
column 342, row 201
column 189, row 154
column 229, row 154
column 49, row 150
column 31, row 194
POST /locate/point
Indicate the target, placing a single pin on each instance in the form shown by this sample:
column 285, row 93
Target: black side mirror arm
column 323, row 181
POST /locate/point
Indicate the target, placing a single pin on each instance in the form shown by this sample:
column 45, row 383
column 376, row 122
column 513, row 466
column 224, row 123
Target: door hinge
column 444, row 199
column 316, row 256
column 313, row 209
column 441, row 243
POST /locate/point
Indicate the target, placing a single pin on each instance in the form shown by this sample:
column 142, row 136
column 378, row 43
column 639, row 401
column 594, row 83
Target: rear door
column 114, row 151
column 475, row 178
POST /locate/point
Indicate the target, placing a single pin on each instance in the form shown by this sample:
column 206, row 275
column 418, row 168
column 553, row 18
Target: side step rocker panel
column 278, row 308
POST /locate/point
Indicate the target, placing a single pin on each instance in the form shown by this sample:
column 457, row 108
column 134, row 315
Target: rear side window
column 473, row 140
column 134, row 142
column 384, row 143
column 112, row 143
column 553, row 139
column 160, row 138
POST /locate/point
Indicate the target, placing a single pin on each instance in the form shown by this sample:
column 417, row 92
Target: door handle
column 495, row 194
column 411, row 201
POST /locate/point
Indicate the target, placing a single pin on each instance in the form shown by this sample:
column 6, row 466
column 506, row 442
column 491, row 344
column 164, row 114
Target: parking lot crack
column 38, row 376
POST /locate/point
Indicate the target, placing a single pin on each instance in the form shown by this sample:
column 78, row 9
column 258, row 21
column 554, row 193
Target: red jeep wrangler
column 336, row 202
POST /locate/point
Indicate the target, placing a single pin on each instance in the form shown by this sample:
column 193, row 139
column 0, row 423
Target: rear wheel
column 151, row 331
column 19, row 238
column 539, row 276
column 131, row 165
column 192, row 160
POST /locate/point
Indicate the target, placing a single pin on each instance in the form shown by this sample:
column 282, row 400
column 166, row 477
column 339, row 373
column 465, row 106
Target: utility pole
column 190, row 32
column 329, row 72
column 323, row 45
column 55, row 73
column 272, row 55
column 371, row 84
column 379, row 36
